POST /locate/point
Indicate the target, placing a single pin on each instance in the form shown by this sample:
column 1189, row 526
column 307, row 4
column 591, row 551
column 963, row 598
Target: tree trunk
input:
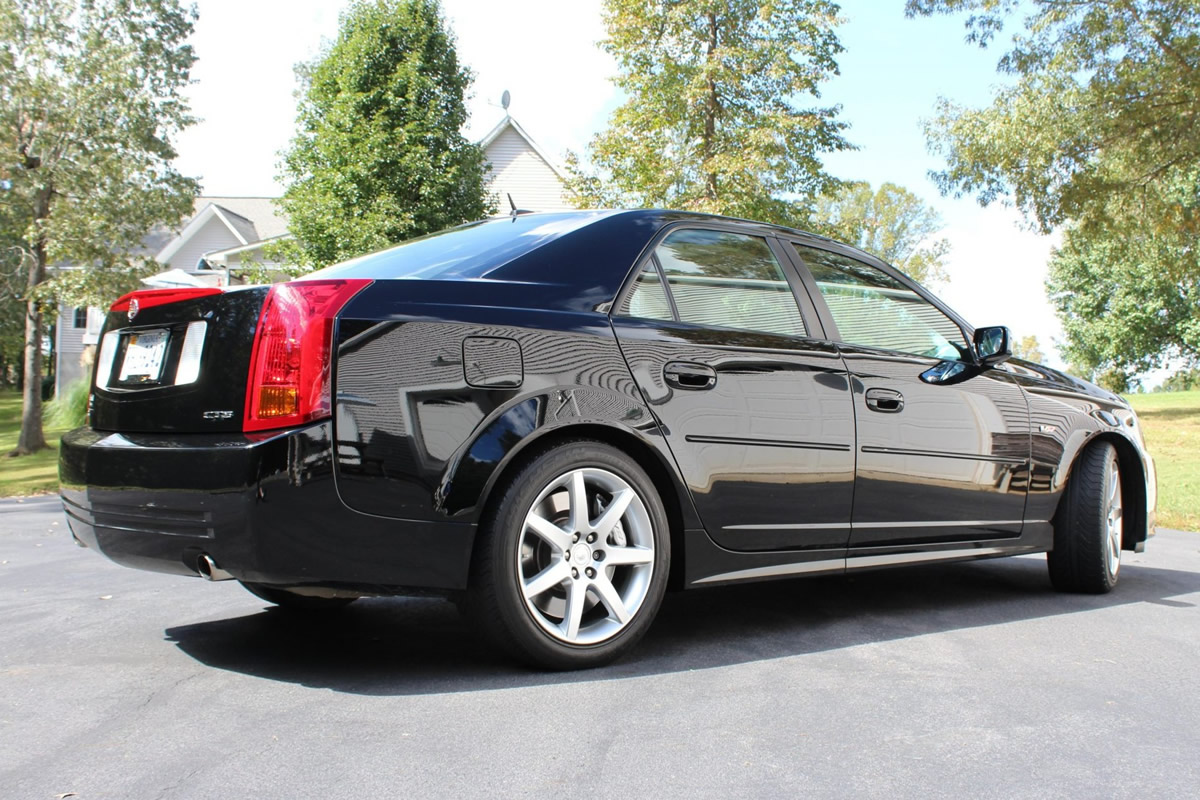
column 710, row 113
column 32, row 438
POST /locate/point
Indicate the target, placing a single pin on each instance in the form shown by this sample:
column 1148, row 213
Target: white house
column 520, row 169
column 224, row 234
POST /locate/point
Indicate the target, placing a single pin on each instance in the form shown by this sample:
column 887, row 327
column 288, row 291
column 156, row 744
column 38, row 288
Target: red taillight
column 289, row 367
column 148, row 298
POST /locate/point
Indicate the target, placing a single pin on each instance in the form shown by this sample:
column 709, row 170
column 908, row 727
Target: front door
column 754, row 403
column 943, row 456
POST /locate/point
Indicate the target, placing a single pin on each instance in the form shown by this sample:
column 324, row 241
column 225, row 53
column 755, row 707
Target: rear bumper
column 265, row 509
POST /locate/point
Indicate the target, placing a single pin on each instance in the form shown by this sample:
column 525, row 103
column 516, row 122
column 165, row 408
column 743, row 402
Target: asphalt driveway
column 940, row 681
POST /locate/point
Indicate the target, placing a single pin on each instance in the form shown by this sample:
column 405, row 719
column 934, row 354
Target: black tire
column 617, row 565
column 292, row 601
column 1085, row 557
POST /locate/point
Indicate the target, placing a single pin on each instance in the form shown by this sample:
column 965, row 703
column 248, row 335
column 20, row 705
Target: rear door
column 754, row 401
column 943, row 456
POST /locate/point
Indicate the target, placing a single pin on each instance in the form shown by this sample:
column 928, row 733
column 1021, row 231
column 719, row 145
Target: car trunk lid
column 176, row 360
column 203, row 360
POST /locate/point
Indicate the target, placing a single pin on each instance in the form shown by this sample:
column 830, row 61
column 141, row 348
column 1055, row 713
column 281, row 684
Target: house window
column 81, row 318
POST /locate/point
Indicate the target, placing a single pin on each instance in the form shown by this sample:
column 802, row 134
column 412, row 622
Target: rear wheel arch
column 670, row 490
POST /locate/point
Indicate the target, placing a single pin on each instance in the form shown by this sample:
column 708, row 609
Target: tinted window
column 722, row 279
column 648, row 299
column 468, row 251
column 873, row 309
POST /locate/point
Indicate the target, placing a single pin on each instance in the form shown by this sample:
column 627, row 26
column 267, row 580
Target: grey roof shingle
column 256, row 218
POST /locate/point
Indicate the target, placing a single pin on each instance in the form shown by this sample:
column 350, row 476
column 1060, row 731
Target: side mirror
column 993, row 345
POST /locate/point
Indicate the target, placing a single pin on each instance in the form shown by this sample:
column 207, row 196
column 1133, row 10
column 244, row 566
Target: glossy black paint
column 952, row 464
column 767, row 450
column 775, row 455
column 576, row 271
column 1066, row 415
column 415, row 438
column 265, row 508
column 221, row 387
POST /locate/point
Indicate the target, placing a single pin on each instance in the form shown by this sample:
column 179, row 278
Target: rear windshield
column 471, row 251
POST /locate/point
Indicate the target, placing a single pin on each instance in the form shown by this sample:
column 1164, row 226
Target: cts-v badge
column 217, row 415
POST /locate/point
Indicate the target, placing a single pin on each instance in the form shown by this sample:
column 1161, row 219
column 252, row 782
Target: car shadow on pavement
column 400, row 646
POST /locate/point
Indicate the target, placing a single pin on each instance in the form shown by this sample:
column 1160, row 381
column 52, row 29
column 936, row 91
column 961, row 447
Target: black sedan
column 553, row 418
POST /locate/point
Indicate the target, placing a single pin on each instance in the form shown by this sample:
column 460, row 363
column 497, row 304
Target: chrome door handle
column 887, row 401
column 689, row 375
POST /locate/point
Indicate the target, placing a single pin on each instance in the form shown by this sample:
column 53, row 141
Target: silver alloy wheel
column 586, row 556
column 1114, row 521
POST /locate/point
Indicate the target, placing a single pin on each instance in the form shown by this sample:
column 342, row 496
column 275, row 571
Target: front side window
column 873, row 309
column 718, row 279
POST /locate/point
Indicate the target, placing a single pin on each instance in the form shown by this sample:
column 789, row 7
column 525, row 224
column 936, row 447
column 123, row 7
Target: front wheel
column 571, row 567
column 1090, row 525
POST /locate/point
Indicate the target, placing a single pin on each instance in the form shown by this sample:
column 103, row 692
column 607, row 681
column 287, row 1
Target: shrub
column 69, row 409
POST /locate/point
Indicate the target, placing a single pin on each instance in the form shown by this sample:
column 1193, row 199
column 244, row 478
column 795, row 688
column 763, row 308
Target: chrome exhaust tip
column 209, row 570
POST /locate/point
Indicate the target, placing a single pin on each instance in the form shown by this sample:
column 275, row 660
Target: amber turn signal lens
column 278, row 401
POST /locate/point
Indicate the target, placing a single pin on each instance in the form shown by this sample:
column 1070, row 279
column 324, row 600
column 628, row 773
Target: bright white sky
column 544, row 52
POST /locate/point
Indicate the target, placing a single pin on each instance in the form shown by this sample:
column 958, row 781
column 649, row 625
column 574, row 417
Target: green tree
column 712, row 122
column 1183, row 381
column 1117, row 381
column 379, row 157
column 13, row 282
column 891, row 223
column 1096, row 132
column 1030, row 349
column 1100, row 119
column 12, row 340
column 90, row 102
column 1128, row 302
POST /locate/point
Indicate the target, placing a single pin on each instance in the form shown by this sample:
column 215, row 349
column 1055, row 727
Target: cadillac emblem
column 133, row 309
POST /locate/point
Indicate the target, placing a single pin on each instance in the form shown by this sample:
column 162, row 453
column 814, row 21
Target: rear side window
column 717, row 279
column 873, row 309
column 648, row 299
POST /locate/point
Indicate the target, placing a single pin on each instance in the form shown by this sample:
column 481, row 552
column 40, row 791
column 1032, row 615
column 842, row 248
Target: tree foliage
column 1185, row 380
column 1100, row 123
column 1097, row 133
column 712, row 122
column 379, row 157
column 90, row 102
column 891, row 223
column 1127, row 303
column 1030, row 349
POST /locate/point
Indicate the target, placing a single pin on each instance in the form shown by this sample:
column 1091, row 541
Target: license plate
column 144, row 353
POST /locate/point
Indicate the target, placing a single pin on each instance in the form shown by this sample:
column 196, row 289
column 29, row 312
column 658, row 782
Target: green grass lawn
column 26, row 474
column 1171, row 422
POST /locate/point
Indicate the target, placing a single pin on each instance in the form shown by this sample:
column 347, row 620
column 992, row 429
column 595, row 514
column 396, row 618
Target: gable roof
column 249, row 219
column 261, row 212
column 509, row 122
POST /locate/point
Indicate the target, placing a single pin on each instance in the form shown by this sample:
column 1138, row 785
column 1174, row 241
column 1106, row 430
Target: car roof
column 571, row 260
